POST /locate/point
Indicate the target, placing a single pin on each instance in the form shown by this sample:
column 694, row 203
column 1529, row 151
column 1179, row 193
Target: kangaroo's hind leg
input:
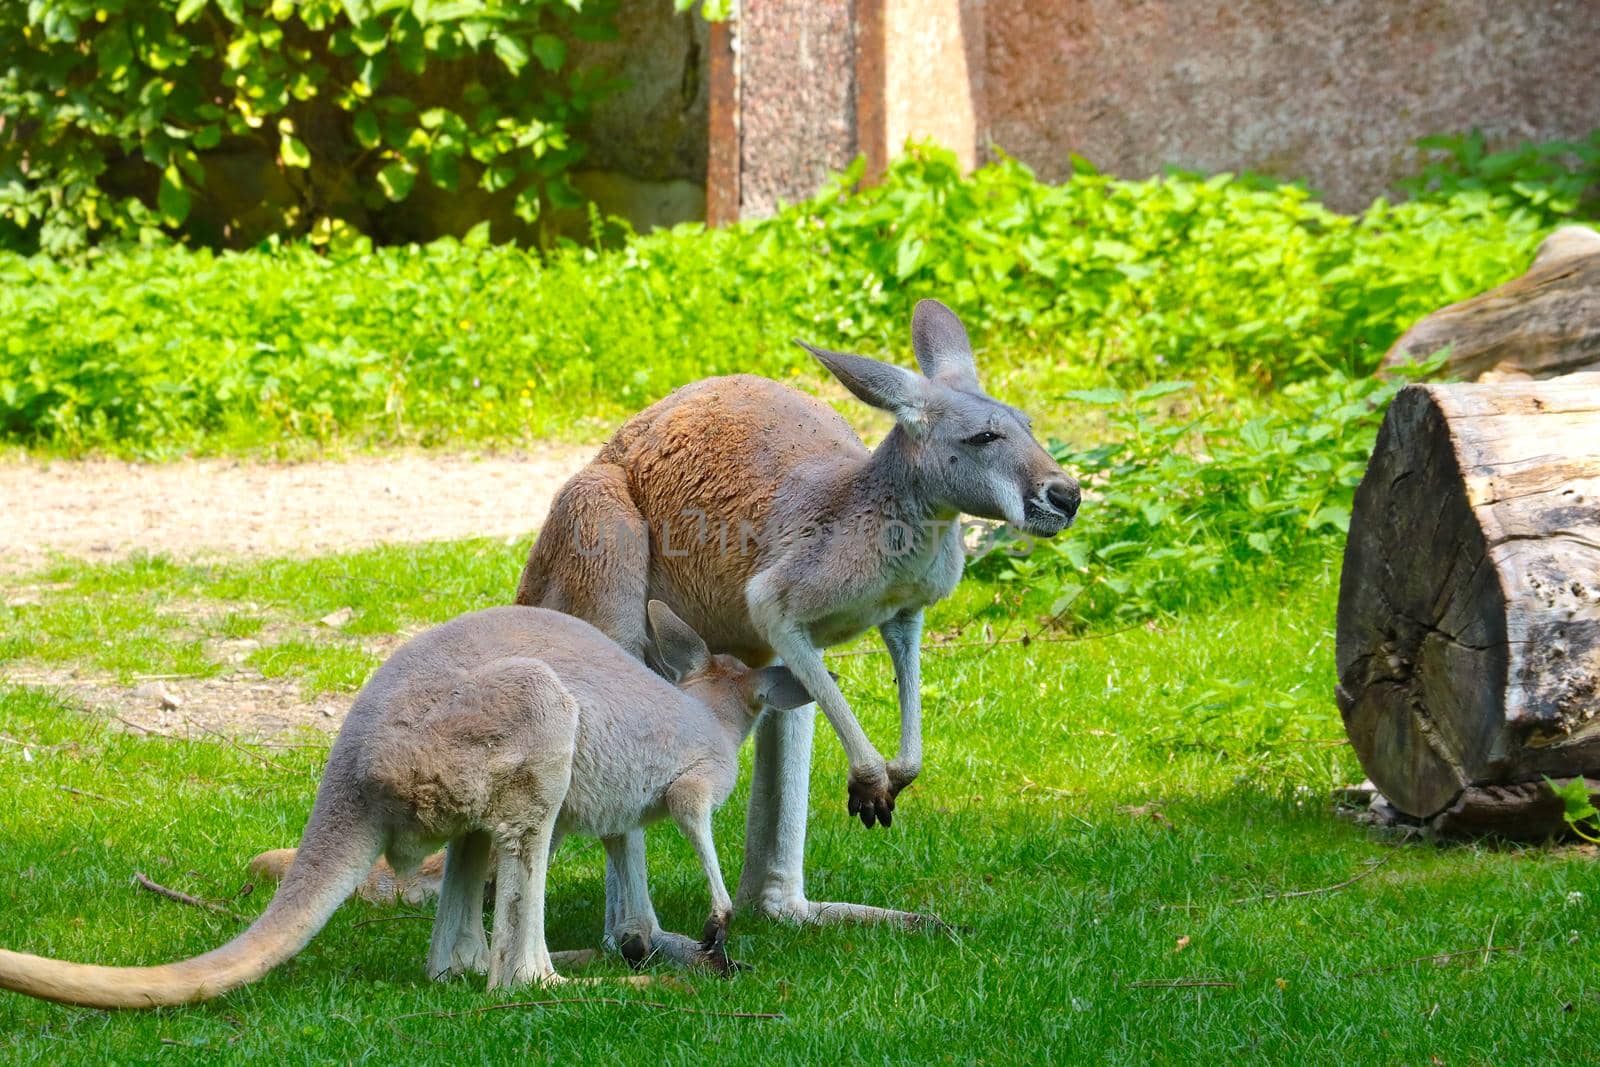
column 536, row 722
column 458, row 944
column 689, row 800
column 592, row 558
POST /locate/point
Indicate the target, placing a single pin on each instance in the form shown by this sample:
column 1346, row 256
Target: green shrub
column 1184, row 505
column 227, row 120
column 1232, row 284
column 1555, row 179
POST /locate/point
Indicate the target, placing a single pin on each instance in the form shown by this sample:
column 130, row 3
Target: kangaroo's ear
column 943, row 351
column 882, row 385
column 778, row 689
column 677, row 650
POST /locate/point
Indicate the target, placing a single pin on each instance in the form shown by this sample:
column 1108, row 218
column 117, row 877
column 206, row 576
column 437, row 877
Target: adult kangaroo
column 760, row 517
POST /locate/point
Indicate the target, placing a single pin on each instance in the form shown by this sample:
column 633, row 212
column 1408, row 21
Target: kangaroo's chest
column 906, row 585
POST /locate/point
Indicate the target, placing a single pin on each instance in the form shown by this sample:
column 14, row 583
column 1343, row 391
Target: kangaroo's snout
column 1052, row 507
column 1063, row 495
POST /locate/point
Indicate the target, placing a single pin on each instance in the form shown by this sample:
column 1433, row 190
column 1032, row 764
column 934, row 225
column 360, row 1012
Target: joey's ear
column 882, row 385
column 678, row 650
column 778, row 688
column 943, row 351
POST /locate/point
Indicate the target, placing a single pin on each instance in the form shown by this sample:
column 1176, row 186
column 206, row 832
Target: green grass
column 1087, row 804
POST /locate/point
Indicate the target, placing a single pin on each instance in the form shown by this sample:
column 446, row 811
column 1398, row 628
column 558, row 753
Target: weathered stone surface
column 653, row 129
column 797, row 98
column 1331, row 92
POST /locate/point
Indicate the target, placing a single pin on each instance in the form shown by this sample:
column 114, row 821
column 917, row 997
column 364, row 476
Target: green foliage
column 1577, row 809
column 1184, row 505
column 1174, row 275
column 1233, row 284
column 1554, row 179
column 228, row 120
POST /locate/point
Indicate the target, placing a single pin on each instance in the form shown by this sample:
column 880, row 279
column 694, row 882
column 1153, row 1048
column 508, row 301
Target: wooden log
column 1539, row 325
column 1468, row 636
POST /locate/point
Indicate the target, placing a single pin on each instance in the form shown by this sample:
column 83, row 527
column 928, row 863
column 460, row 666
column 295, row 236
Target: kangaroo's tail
column 334, row 857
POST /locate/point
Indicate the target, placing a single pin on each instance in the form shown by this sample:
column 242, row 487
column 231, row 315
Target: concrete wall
column 1332, row 91
column 934, row 75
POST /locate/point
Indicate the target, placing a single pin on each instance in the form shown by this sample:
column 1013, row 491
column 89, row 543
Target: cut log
column 1542, row 324
column 1468, row 644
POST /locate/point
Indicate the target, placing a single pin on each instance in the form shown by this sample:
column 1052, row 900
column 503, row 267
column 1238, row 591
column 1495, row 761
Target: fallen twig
column 391, row 918
column 267, row 761
column 144, row 882
column 146, row 729
column 1437, row 957
column 1347, row 883
column 1184, row 983
column 86, row 793
column 656, row 1004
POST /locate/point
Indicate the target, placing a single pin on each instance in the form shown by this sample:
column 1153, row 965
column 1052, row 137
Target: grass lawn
column 1107, row 817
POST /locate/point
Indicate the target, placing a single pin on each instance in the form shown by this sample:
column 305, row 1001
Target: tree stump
column 1544, row 323
column 1468, row 645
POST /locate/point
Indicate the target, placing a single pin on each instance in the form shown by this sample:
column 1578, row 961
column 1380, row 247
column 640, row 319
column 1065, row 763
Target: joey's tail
column 334, row 857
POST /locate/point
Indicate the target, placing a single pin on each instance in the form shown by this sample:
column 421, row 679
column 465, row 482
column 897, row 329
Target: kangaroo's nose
column 1063, row 496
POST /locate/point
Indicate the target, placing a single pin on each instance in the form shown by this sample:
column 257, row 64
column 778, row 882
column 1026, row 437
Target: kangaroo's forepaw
column 714, row 947
column 870, row 799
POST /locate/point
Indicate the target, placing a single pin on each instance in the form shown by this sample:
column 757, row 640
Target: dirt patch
column 214, row 508
column 238, row 704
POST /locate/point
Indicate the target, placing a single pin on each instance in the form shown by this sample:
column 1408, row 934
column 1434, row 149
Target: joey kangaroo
column 756, row 512
column 507, row 727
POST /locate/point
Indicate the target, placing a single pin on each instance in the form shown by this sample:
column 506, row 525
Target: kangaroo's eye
column 983, row 438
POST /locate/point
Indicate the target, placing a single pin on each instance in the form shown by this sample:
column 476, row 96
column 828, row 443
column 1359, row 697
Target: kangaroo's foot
column 798, row 910
column 678, row 950
column 381, row 886
column 468, row 955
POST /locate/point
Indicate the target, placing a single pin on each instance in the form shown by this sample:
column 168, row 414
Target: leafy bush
column 1171, row 275
column 1228, row 283
column 227, row 120
column 1555, row 179
column 1186, row 504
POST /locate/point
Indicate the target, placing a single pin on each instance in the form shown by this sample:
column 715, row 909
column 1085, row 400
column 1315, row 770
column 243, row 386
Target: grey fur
column 846, row 540
column 497, row 732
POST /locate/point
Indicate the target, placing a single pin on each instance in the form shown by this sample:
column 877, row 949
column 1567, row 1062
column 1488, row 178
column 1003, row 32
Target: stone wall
column 796, row 98
column 1331, row 91
column 1334, row 92
column 647, row 141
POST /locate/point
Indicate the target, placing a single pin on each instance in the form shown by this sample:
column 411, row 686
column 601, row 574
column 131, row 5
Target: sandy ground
column 104, row 510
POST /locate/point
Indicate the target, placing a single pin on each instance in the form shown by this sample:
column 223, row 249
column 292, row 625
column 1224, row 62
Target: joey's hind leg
column 690, row 804
column 458, row 944
column 518, row 954
column 631, row 924
column 592, row 560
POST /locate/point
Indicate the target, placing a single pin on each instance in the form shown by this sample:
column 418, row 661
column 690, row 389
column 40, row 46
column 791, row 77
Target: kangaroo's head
column 737, row 694
column 966, row 451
